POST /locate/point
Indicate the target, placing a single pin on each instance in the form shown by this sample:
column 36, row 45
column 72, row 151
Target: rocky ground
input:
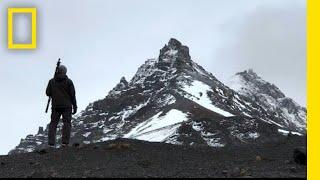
column 133, row 158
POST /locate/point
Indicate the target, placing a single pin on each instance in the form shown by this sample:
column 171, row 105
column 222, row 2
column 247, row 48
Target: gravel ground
column 133, row 158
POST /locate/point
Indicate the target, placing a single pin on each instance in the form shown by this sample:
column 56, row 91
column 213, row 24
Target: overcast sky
column 102, row 40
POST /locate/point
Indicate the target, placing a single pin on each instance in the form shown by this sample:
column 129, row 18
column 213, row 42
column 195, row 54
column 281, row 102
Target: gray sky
column 101, row 41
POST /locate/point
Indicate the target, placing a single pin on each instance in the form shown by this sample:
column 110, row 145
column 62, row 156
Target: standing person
column 62, row 92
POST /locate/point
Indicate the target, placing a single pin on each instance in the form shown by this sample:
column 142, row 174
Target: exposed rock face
column 174, row 100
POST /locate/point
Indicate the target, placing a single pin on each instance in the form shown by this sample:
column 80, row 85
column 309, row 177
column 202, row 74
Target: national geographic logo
column 12, row 42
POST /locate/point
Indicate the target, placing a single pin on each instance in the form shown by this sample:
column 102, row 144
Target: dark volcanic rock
column 135, row 159
column 300, row 156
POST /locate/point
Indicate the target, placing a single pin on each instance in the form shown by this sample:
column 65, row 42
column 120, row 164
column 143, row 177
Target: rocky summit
column 171, row 99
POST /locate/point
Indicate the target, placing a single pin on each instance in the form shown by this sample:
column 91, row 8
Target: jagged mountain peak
column 175, row 52
column 173, row 59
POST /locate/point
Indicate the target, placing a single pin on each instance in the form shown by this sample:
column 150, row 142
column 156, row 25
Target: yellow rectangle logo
column 33, row 44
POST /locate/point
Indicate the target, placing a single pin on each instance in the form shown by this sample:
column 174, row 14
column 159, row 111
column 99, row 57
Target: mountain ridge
column 172, row 99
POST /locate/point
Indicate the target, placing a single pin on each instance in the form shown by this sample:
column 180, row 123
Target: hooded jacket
column 61, row 90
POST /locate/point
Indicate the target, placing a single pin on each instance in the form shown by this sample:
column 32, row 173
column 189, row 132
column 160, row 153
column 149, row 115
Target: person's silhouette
column 61, row 90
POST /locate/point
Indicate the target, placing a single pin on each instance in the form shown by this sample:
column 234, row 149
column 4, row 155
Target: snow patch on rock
column 197, row 92
column 285, row 132
column 158, row 127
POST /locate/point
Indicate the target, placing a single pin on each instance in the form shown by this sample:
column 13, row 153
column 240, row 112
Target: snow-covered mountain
column 290, row 113
column 172, row 99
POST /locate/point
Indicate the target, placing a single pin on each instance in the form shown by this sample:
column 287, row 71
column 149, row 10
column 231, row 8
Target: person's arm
column 48, row 90
column 73, row 97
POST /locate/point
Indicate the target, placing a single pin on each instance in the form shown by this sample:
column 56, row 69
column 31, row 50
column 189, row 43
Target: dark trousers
column 66, row 129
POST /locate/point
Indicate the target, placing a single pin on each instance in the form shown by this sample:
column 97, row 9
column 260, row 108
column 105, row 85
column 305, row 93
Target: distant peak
column 264, row 86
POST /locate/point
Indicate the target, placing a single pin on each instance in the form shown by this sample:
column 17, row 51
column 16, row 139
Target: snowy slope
column 158, row 128
column 197, row 92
